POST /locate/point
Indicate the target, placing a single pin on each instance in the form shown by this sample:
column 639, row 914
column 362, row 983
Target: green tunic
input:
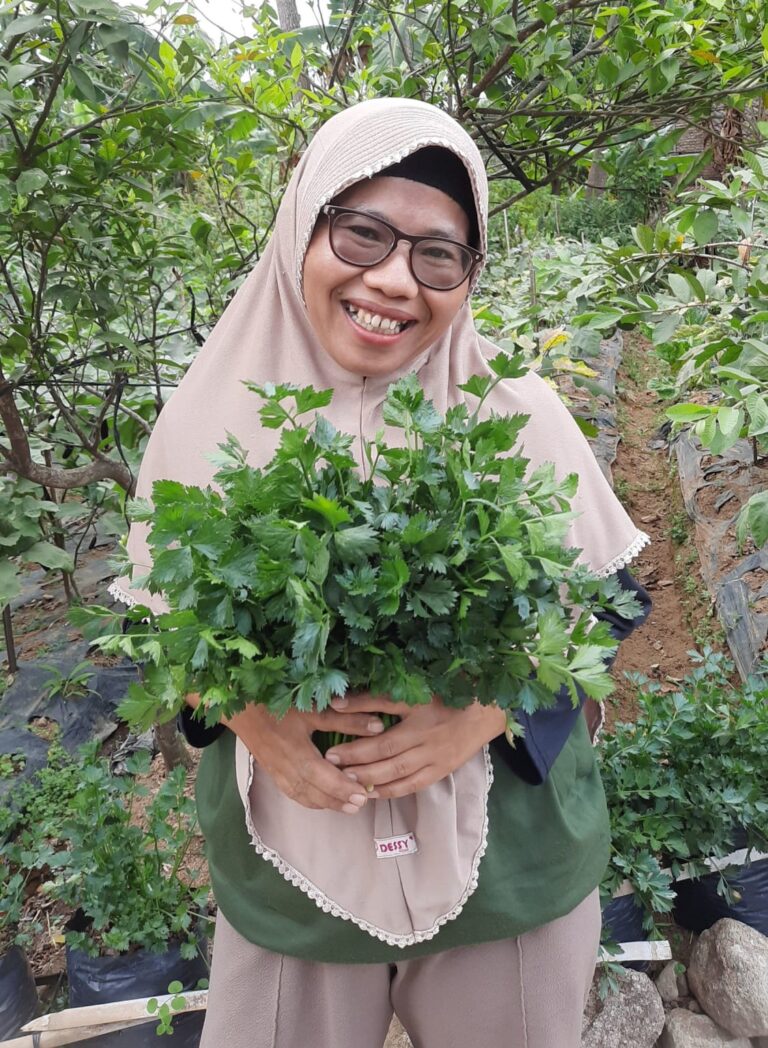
column 548, row 847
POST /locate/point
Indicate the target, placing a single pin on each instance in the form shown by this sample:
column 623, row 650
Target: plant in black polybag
column 122, row 870
column 687, row 779
column 298, row 581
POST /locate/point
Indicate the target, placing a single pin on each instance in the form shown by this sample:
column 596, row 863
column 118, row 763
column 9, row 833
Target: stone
column 397, row 1037
column 666, row 983
column 694, row 1006
column 686, row 1030
column 633, row 1017
column 682, row 985
column 728, row 974
column 760, row 1042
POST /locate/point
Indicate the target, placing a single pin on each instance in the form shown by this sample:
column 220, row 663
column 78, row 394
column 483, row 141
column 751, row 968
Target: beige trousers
column 527, row 992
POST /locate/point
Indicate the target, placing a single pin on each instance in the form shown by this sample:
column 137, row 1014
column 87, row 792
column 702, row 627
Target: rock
column 682, row 985
column 729, row 975
column 397, row 1037
column 694, row 1006
column 685, row 1030
column 666, row 983
column 633, row 1017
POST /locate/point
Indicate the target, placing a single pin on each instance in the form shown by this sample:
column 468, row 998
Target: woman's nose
column 393, row 276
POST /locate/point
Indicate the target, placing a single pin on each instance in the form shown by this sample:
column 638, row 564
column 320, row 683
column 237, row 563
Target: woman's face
column 336, row 291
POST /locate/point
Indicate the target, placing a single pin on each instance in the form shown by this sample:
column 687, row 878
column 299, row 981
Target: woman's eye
column 439, row 253
column 365, row 232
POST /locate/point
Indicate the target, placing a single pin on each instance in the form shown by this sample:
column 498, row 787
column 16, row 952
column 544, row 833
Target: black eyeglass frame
column 332, row 211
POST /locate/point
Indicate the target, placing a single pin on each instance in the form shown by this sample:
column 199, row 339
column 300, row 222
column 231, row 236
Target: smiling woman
column 430, row 868
column 374, row 317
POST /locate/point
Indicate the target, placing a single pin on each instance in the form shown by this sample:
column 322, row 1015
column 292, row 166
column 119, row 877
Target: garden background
column 142, row 159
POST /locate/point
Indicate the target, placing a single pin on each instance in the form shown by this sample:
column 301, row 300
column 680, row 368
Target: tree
column 541, row 86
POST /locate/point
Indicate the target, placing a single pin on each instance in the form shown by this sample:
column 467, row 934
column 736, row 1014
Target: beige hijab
column 400, row 869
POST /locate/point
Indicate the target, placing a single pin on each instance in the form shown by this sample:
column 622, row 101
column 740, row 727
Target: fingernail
column 339, row 703
column 358, row 798
column 351, row 775
column 350, row 809
column 375, row 725
column 333, row 758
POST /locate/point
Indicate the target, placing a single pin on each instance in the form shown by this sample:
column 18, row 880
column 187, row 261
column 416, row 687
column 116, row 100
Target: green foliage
column 165, row 1010
column 683, row 779
column 304, row 579
column 124, row 876
column 706, row 311
column 68, row 685
column 24, row 535
column 31, row 833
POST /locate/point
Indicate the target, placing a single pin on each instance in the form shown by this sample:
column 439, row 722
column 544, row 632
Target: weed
column 70, row 685
column 622, row 489
column 10, row 764
column 679, row 528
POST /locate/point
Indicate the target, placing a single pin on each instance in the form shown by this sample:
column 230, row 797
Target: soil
column 645, row 480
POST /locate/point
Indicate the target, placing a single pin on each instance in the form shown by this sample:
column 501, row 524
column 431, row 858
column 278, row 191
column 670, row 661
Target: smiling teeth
column 375, row 322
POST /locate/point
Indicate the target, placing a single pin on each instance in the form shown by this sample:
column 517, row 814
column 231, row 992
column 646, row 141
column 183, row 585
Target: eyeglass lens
column 364, row 241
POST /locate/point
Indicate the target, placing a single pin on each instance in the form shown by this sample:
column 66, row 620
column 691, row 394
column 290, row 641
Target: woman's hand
column 285, row 751
column 429, row 743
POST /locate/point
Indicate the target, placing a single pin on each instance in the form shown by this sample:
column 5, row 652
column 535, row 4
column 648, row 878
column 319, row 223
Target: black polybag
column 698, row 905
column 100, row 980
column 18, row 993
column 623, row 922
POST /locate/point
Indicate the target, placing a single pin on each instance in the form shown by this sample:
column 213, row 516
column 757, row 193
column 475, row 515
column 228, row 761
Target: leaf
column 680, row 287
column 506, row 365
column 689, row 412
column 30, row 181
column 49, row 556
column 10, row 585
column 705, row 226
column 83, row 83
column 329, row 509
column 356, row 543
column 753, row 520
column 757, row 408
column 20, row 71
column 665, row 329
column 644, row 237
column 140, row 709
column 23, row 25
column 185, row 20
column 436, row 596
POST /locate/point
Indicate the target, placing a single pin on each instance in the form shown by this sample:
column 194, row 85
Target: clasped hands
column 428, row 743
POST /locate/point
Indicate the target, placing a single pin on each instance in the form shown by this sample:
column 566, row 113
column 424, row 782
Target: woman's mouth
column 375, row 323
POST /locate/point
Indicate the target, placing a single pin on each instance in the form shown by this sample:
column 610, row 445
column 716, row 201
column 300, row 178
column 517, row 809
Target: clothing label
column 392, row 847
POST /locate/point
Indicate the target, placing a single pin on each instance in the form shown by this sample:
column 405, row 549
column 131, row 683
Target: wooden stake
column 114, row 1012
column 55, row 1038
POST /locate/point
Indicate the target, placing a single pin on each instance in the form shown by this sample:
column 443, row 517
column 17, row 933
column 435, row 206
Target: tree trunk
column 172, row 746
column 597, row 179
column 288, row 15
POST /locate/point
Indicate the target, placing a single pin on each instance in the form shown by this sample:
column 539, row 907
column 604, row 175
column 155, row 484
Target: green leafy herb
column 440, row 572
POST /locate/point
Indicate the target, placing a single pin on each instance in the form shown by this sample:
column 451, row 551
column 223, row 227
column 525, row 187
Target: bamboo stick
column 56, row 1038
column 115, row 1011
column 655, row 950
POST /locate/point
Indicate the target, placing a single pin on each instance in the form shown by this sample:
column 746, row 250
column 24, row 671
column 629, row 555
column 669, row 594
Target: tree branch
column 506, row 54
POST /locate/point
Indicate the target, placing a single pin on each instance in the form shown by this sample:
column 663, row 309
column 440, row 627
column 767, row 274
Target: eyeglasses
column 362, row 240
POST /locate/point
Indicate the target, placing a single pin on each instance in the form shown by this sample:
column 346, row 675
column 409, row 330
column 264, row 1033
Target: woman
column 432, row 868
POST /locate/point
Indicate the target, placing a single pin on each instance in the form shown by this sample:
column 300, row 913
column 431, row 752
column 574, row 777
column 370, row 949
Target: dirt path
column 645, row 479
